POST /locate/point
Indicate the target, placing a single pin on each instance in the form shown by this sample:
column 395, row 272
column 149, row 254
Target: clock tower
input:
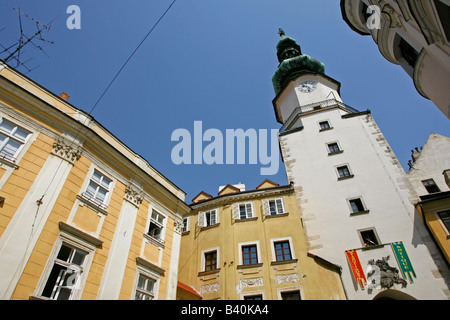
column 354, row 196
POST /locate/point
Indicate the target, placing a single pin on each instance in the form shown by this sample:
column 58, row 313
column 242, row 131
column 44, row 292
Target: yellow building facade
column 81, row 215
column 250, row 245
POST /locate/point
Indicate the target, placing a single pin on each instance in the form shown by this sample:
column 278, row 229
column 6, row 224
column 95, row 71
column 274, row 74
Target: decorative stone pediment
column 66, row 150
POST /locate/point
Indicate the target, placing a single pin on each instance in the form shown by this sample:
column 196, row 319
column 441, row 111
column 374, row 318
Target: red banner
column 357, row 269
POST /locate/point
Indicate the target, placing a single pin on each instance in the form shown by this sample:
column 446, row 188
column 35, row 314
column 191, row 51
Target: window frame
column 150, row 274
column 426, row 184
column 160, row 225
column 375, row 234
column 10, row 136
column 142, row 291
column 283, row 210
column 246, row 205
column 282, row 243
column 71, row 240
column 345, row 176
column 335, row 145
column 444, row 221
column 249, row 255
column 101, row 206
column 203, row 259
column 241, row 253
column 273, row 243
column 362, row 205
column 210, row 260
column 185, row 225
column 326, row 127
column 203, row 218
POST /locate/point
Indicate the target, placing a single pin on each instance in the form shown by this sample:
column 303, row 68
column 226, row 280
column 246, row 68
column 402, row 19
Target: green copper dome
column 292, row 63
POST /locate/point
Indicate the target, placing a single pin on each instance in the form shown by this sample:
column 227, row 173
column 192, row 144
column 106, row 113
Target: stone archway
column 393, row 295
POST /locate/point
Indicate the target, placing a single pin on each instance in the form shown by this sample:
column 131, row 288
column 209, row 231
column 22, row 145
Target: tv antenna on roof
column 15, row 51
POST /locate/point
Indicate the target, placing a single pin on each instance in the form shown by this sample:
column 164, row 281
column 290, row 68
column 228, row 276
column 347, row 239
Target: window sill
column 210, row 226
column 276, row 263
column 248, row 266
column 205, row 273
column 358, row 213
column 278, row 215
column 326, row 129
column 347, row 177
column 92, row 204
column 246, row 219
column 9, row 162
column 155, row 241
column 334, row 153
column 185, row 233
column 376, row 246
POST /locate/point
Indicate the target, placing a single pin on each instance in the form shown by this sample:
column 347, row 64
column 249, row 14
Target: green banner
column 403, row 260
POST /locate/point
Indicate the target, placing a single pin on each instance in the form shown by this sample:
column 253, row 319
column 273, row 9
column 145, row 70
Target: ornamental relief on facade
column 209, row 288
column 287, row 278
column 252, row 282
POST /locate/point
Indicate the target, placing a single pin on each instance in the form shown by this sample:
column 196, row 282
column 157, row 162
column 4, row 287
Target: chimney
column 65, row 96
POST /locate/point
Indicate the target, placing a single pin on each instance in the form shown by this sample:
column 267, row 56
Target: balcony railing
column 315, row 106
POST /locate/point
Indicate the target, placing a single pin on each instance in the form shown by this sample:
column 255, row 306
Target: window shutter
column 266, row 210
column 235, row 211
column 201, row 219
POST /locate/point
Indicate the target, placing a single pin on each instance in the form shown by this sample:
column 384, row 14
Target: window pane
column 91, row 189
column 101, row 195
column 11, row 147
column 272, row 207
column 78, row 258
column 64, row 253
column 279, row 206
column 21, row 134
column 6, row 126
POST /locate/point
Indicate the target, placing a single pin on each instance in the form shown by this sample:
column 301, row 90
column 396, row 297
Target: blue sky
column 210, row 61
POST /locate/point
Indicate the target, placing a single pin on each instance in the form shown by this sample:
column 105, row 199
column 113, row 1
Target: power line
column 129, row 58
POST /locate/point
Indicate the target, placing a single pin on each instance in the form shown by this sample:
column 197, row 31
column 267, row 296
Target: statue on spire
column 281, row 32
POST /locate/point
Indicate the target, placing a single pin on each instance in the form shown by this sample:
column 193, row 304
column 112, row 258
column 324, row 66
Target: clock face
column 307, row 86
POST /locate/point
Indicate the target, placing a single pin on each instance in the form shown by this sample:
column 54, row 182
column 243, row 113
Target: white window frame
column 102, row 205
column 161, row 225
column 203, row 259
column 266, row 206
column 273, row 251
column 250, row 243
column 152, row 275
column 236, row 210
column 202, row 221
column 290, row 289
column 74, row 242
column 10, row 136
column 185, row 227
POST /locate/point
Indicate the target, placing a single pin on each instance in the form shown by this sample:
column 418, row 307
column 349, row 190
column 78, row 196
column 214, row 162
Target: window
column 369, row 237
column 445, row 218
column 245, row 210
column 156, row 225
column 430, row 185
column 98, row 189
column 333, row 148
column 254, row 297
column 443, row 11
column 185, row 227
column 276, row 207
column 210, row 260
column 145, row 288
column 357, row 205
column 343, row 172
column 12, row 138
column 408, row 52
column 65, row 274
column 290, row 295
column 324, row 125
column 282, row 251
column 249, row 255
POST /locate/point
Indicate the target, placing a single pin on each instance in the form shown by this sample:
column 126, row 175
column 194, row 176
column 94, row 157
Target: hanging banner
column 403, row 260
column 357, row 269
